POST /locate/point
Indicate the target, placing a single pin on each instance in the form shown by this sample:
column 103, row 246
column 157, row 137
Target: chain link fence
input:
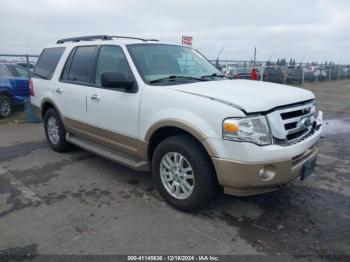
column 288, row 73
column 15, row 73
column 16, row 69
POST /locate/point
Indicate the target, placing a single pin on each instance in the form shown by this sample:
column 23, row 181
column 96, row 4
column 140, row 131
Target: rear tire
column 169, row 173
column 5, row 106
column 55, row 132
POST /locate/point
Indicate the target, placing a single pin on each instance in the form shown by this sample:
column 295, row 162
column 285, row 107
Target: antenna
column 217, row 59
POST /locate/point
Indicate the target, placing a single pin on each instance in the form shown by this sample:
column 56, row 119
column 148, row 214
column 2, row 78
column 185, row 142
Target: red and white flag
column 187, row 40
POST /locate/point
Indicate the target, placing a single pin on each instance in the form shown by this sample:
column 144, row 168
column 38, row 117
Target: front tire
column 5, row 106
column 55, row 132
column 183, row 173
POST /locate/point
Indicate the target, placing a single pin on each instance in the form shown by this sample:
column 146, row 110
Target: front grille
column 296, row 135
column 293, row 114
column 292, row 124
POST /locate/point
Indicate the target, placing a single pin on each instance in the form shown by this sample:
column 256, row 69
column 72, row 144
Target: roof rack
column 135, row 38
column 100, row 37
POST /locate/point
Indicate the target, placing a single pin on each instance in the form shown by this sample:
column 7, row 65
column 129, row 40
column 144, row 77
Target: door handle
column 59, row 90
column 95, row 98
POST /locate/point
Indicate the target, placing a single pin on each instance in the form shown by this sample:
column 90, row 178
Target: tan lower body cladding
column 121, row 143
column 243, row 179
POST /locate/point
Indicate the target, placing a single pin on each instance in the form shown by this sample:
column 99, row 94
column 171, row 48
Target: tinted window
column 112, row 59
column 47, row 62
column 31, row 66
column 4, row 72
column 81, row 65
column 19, row 71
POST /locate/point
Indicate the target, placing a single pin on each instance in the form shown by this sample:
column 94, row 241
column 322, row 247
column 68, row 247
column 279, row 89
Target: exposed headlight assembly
column 249, row 129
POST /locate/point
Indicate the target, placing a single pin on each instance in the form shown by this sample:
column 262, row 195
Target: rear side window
column 4, row 72
column 47, row 62
column 80, row 64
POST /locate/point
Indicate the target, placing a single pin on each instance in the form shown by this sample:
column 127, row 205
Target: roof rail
column 135, row 38
column 100, row 37
column 84, row 38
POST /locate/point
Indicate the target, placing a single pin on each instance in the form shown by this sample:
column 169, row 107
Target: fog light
column 267, row 173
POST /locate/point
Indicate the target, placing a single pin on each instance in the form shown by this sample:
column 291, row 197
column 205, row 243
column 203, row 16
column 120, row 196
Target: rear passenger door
column 73, row 88
column 114, row 112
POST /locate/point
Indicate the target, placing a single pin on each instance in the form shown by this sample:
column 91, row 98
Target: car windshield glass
column 158, row 63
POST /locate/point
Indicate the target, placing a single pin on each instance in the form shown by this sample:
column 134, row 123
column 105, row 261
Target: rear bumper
column 18, row 100
column 239, row 178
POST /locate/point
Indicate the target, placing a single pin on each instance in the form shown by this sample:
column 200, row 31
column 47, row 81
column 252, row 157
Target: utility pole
column 217, row 59
column 222, row 49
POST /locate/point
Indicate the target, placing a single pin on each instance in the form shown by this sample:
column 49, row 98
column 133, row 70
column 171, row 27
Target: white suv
column 165, row 108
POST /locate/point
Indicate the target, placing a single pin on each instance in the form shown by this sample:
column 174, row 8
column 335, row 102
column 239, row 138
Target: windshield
column 171, row 63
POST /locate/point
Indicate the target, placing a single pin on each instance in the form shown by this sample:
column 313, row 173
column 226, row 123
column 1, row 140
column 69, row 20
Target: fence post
column 262, row 72
column 27, row 61
column 303, row 76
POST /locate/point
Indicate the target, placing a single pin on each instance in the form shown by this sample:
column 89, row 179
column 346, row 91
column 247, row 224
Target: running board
column 108, row 153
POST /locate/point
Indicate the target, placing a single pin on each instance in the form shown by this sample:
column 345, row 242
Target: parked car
column 319, row 75
column 322, row 76
column 240, row 72
column 294, row 75
column 14, row 87
column 139, row 103
column 332, row 74
column 309, row 75
column 273, row 74
column 25, row 65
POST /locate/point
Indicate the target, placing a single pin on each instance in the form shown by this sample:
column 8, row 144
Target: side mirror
column 116, row 80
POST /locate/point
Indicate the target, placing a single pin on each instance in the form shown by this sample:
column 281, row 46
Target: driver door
column 113, row 113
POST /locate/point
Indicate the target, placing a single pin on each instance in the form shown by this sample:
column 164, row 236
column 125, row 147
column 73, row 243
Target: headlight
column 250, row 129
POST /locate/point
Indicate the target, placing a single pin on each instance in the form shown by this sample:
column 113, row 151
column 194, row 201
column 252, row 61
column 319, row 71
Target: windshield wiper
column 174, row 77
column 213, row 75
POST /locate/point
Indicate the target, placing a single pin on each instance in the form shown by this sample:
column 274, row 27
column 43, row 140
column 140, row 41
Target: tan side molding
column 108, row 153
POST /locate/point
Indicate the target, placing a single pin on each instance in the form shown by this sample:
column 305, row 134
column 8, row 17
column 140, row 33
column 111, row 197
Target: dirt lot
column 78, row 203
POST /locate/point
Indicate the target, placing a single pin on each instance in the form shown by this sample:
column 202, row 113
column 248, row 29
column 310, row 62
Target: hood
column 250, row 96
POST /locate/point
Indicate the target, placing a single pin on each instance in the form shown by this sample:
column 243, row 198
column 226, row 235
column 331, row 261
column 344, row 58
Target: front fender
column 199, row 116
column 183, row 125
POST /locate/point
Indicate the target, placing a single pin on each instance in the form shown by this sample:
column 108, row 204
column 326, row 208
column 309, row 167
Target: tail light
column 31, row 88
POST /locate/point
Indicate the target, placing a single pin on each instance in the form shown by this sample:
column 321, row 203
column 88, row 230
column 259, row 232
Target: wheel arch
column 46, row 104
column 6, row 92
column 166, row 128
